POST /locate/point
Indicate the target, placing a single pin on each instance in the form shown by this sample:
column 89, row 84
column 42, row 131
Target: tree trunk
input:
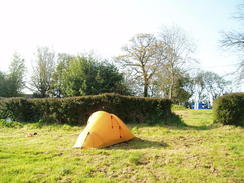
column 145, row 90
column 170, row 91
column 171, row 87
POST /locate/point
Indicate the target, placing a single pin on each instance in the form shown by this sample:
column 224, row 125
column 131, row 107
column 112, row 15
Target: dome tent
column 103, row 129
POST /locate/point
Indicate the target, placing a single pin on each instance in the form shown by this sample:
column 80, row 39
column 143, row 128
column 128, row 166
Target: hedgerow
column 229, row 109
column 76, row 110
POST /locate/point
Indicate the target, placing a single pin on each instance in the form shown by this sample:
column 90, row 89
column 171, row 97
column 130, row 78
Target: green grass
column 198, row 152
column 176, row 107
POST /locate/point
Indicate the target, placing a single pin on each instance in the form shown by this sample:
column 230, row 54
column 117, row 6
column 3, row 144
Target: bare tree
column 42, row 71
column 179, row 50
column 209, row 85
column 235, row 40
column 215, row 84
column 200, row 87
column 142, row 57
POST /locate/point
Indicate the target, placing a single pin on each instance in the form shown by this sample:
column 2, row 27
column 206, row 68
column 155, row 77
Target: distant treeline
column 149, row 66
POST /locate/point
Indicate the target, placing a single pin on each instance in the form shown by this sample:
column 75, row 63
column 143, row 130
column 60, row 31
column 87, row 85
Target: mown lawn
column 200, row 152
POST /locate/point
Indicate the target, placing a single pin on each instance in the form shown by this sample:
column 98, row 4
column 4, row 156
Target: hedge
column 229, row 109
column 76, row 110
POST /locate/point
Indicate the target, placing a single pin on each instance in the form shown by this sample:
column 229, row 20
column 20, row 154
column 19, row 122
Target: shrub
column 229, row 109
column 10, row 124
column 76, row 110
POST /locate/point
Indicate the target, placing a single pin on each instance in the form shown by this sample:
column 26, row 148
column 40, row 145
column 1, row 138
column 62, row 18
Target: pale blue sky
column 74, row 26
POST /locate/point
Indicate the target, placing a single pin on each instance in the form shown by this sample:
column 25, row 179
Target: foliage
column 109, row 80
column 178, row 51
column 180, row 91
column 17, row 109
column 3, row 85
column 57, row 84
column 183, row 90
column 228, row 109
column 87, row 76
column 200, row 87
column 10, row 124
column 76, row 110
column 209, row 85
column 158, row 154
column 215, row 84
column 142, row 58
column 16, row 76
column 71, row 76
column 42, row 72
column 12, row 83
column 158, row 63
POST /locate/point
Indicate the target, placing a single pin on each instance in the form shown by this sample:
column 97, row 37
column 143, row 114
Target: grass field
column 199, row 152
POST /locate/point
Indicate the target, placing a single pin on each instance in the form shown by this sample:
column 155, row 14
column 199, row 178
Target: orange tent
column 103, row 129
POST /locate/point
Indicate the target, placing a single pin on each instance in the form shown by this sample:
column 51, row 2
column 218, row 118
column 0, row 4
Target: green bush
column 76, row 110
column 229, row 109
column 10, row 124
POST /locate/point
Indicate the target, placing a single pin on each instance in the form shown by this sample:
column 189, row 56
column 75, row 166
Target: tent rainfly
column 103, row 129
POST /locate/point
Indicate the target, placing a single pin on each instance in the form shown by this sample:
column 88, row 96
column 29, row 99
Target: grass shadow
column 203, row 127
column 138, row 143
column 174, row 120
column 202, row 119
column 191, row 127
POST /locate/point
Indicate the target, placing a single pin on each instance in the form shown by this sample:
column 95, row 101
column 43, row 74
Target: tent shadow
column 138, row 143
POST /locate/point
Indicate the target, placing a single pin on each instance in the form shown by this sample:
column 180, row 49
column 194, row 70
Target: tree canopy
column 142, row 58
column 44, row 66
column 12, row 82
column 84, row 75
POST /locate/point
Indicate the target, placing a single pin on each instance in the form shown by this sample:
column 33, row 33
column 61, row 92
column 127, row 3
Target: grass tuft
column 135, row 158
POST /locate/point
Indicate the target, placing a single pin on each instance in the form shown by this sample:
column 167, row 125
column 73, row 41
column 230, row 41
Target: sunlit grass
column 194, row 153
